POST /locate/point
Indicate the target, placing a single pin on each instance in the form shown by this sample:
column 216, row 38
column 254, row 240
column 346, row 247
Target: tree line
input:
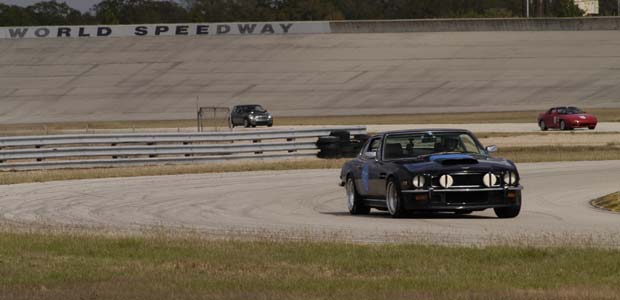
column 153, row 11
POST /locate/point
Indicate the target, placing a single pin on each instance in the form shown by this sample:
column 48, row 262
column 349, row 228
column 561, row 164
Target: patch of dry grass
column 516, row 154
column 609, row 202
column 14, row 177
column 559, row 153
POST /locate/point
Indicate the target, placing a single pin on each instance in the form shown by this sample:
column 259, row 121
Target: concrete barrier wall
column 456, row 25
column 167, row 77
column 284, row 28
column 148, row 30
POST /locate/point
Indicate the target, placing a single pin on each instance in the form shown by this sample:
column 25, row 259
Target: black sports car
column 430, row 170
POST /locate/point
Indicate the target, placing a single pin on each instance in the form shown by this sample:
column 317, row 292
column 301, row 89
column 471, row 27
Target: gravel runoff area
column 309, row 204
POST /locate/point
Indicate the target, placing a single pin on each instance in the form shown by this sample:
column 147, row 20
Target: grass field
column 76, row 266
column 604, row 115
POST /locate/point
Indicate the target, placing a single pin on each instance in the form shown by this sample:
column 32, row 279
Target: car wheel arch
column 352, row 176
column 392, row 177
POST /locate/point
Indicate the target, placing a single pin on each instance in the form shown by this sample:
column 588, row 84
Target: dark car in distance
column 566, row 118
column 443, row 170
column 250, row 115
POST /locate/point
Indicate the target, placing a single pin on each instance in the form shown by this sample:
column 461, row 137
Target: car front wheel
column 542, row 125
column 354, row 200
column 246, row 123
column 507, row 212
column 394, row 199
column 563, row 125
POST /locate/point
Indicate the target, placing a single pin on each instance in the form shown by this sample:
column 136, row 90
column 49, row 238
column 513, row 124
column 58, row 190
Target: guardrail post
column 291, row 140
column 114, row 156
column 38, row 147
column 257, row 141
column 187, row 143
column 151, row 155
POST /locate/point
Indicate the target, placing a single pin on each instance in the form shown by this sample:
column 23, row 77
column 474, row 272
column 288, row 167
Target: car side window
column 552, row 111
column 373, row 147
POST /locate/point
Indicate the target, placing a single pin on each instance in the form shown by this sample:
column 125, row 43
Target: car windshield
column 414, row 145
column 256, row 108
column 572, row 111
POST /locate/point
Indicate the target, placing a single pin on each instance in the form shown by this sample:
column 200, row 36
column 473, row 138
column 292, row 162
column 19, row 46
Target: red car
column 566, row 118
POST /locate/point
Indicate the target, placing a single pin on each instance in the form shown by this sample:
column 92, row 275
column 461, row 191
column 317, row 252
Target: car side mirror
column 491, row 149
column 371, row 154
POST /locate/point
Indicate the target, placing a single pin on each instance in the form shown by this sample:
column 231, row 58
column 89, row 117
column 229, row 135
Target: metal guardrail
column 109, row 150
column 93, row 139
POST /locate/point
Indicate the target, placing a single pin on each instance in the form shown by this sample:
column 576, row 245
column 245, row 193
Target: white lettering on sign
column 210, row 29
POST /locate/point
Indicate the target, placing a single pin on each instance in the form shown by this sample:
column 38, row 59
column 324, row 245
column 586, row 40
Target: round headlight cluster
column 510, row 178
column 489, row 179
column 446, row 181
column 418, row 181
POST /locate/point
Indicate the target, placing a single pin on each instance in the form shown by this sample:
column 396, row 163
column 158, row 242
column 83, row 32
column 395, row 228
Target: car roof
column 570, row 106
column 421, row 130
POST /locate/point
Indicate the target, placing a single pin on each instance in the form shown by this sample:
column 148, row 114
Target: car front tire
column 507, row 212
column 246, row 123
column 563, row 125
column 394, row 199
column 542, row 125
column 354, row 200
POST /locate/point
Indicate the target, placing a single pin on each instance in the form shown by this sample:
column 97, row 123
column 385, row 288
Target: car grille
column 462, row 180
column 262, row 118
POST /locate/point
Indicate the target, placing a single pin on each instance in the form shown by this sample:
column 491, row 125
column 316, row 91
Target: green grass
column 609, row 202
column 74, row 266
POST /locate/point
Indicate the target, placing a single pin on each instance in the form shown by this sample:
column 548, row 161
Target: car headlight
column 251, row 117
column 446, row 181
column 269, row 117
column 418, row 181
column 510, row 178
column 489, row 179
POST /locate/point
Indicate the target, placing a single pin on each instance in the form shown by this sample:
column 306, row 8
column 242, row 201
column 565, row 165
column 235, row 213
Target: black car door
column 370, row 178
column 367, row 176
column 239, row 115
column 378, row 174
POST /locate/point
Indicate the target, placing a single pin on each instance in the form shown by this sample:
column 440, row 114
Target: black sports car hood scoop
column 453, row 159
column 456, row 161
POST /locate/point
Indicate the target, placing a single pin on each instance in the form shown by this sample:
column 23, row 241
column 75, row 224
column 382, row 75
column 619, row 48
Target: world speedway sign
column 200, row 29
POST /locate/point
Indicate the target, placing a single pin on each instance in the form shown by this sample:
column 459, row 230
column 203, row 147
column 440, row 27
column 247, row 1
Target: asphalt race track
column 309, row 204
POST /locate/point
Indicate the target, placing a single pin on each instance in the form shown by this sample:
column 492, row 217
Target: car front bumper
column 461, row 199
column 258, row 122
column 582, row 124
